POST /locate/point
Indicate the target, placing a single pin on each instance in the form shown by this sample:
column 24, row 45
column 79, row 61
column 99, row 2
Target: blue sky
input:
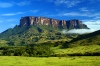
column 11, row 11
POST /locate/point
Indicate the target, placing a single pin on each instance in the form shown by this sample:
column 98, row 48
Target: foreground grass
column 78, row 49
column 50, row 61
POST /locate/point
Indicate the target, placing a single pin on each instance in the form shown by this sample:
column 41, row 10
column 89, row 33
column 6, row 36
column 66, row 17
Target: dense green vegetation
column 28, row 35
column 47, row 46
column 3, row 43
column 36, row 37
column 50, row 51
column 35, row 51
column 46, row 41
column 84, row 40
column 83, row 45
column 91, row 50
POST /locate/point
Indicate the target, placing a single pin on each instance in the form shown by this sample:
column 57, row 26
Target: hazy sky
column 88, row 11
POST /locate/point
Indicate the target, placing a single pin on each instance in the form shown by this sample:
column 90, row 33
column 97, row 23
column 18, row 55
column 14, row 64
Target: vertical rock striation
column 28, row 21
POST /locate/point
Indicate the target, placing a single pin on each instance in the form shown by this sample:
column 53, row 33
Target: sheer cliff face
column 27, row 21
column 75, row 24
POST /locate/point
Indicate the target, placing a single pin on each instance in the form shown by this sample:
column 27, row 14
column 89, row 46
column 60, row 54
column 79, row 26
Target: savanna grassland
column 91, row 50
column 50, row 61
column 47, row 46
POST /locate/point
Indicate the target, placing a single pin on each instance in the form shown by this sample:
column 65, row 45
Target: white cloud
column 69, row 14
column 96, row 27
column 24, row 3
column 11, row 14
column 5, row 5
column 88, row 20
column 20, row 13
column 78, row 31
column 10, row 20
column 77, row 14
column 93, row 1
column 34, row 11
column 93, row 24
column 69, row 3
column 97, row 17
column 83, row 9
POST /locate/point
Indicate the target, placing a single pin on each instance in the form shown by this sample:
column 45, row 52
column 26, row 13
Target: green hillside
column 83, row 45
column 86, row 39
column 21, row 36
column 3, row 43
column 46, row 37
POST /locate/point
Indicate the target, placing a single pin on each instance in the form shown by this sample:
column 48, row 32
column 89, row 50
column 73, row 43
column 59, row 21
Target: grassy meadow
column 56, row 61
column 79, row 49
column 37, row 46
column 50, row 61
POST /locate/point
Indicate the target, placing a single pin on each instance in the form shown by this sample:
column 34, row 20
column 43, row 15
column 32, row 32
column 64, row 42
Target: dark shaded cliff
column 27, row 21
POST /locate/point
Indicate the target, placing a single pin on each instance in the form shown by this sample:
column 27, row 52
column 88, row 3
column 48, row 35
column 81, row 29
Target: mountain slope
column 83, row 45
column 85, row 39
column 37, row 30
column 34, row 35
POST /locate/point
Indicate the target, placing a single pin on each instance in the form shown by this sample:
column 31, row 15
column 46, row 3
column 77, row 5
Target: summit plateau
column 70, row 24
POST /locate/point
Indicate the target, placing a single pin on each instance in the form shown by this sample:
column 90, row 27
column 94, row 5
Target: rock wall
column 27, row 21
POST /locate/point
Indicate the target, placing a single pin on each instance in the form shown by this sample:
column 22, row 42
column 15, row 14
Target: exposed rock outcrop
column 27, row 21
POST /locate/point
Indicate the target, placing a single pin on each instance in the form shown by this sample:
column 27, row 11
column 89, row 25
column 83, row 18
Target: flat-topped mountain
column 35, row 30
column 70, row 24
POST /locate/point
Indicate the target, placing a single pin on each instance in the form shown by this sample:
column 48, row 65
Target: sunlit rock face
column 70, row 24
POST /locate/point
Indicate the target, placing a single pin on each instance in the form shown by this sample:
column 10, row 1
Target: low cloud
column 78, row 31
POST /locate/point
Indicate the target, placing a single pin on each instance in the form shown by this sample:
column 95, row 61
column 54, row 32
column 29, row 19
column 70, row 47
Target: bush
column 28, row 51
